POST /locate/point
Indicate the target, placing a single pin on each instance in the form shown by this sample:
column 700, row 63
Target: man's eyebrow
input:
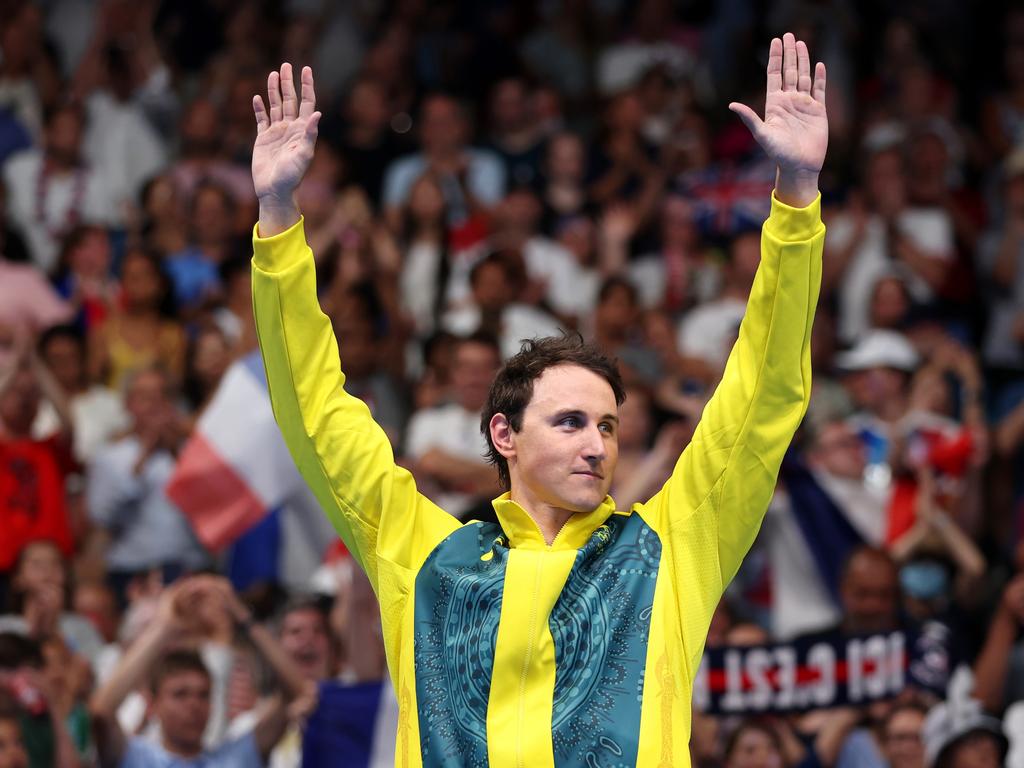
column 577, row 412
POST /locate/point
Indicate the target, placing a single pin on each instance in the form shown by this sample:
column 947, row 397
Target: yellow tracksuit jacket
column 505, row 651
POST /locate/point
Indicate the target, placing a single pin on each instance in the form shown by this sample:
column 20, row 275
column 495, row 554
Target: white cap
column 958, row 716
column 880, row 349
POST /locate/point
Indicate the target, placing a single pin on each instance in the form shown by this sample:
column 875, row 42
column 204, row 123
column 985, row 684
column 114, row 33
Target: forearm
column 277, row 215
column 138, row 660
column 65, row 751
column 994, row 660
column 1010, row 432
column 288, row 674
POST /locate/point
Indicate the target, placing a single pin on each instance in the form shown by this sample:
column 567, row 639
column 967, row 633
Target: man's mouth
column 589, row 473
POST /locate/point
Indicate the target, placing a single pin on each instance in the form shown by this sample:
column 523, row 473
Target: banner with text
column 820, row 672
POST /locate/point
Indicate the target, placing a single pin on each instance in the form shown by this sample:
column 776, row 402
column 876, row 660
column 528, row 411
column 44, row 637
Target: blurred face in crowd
column 212, row 215
column 886, row 181
column 519, row 211
column 443, row 128
column 96, row 603
column 200, row 129
column 141, row 283
column 564, row 455
column 90, row 258
column 901, row 739
column 211, row 357
column 566, row 163
column 889, row 303
column 19, row 403
column 64, row 136
column 677, row 229
column 510, row 106
column 368, row 105
column 635, row 416
column 873, row 389
column 355, row 337
column 977, row 750
column 870, row 593
column 40, row 566
column 148, row 401
column 754, row 748
column 304, row 637
column 473, row 369
column 491, row 286
column 744, row 258
column 65, row 357
column 162, row 201
column 839, row 451
column 616, row 311
column 426, row 201
column 12, row 750
column 182, row 705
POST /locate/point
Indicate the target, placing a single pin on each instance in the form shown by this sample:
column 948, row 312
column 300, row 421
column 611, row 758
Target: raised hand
column 794, row 132
column 285, row 138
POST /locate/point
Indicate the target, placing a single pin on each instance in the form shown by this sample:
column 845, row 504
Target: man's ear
column 502, row 435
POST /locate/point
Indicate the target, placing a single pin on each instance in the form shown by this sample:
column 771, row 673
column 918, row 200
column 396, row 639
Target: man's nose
column 594, row 447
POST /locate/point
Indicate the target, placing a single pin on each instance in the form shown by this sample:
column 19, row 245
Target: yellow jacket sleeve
column 341, row 452
column 709, row 511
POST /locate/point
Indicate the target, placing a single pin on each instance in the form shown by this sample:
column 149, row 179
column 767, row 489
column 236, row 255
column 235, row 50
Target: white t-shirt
column 452, row 429
column 85, row 190
column 929, row 229
column 97, row 415
column 709, row 331
column 571, row 289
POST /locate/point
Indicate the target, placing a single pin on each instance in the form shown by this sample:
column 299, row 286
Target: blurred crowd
column 488, row 172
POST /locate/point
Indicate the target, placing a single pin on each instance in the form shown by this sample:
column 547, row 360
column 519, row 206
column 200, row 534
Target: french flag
column 236, row 483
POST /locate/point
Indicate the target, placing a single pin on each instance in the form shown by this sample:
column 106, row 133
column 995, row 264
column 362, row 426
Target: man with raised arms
column 568, row 633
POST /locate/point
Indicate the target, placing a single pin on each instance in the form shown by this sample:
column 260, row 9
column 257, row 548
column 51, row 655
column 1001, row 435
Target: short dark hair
column 175, row 662
column 512, row 388
column 482, row 338
column 64, row 331
column 757, row 725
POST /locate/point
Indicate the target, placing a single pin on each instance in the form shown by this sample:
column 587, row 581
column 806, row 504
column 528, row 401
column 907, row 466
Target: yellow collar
column 524, row 532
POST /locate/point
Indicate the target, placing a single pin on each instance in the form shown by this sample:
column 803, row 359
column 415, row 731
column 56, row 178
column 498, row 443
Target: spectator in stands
column 445, row 442
column 32, row 471
column 709, row 330
column 125, row 488
column 515, row 134
column 902, row 742
column 97, row 413
column 472, row 180
column 49, row 191
column 40, row 601
column 564, row 193
column 141, row 332
column 84, row 277
column 202, row 155
column 498, row 283
column 194, row 271
column 366, row 138
column 12, row 748
column 181, row 684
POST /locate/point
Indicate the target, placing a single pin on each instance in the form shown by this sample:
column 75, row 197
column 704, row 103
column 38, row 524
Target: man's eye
column 570, row 421
column 607, row 427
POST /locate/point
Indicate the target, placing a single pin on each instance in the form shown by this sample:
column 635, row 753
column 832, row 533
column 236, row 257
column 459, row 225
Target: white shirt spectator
column 571, row 288
column 929, row 229
column 709, row 331
column 518, row 322
column 97, row 415
column 452, row 429
column 44, row 207
column 485, row 177
column 147, row 529
column 120, row 139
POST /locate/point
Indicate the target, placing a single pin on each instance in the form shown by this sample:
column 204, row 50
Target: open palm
column 794, row 132
column 285, row 135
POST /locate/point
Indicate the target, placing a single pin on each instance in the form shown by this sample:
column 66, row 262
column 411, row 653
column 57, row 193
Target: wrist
column 277, row 214
column 797, row 188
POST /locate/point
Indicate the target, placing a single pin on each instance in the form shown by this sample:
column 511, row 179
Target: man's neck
column 549, row 519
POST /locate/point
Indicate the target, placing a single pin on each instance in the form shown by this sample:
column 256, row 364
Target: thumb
column 748, row 116
column 313, row 125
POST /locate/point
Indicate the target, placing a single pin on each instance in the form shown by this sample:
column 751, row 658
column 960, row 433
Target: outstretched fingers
column 274, row 96
column 262, row 119
column 308, row 103
column 818, row 91
column 290, row 103
column 775, row 65
column 789, row 67
column 803, row 67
